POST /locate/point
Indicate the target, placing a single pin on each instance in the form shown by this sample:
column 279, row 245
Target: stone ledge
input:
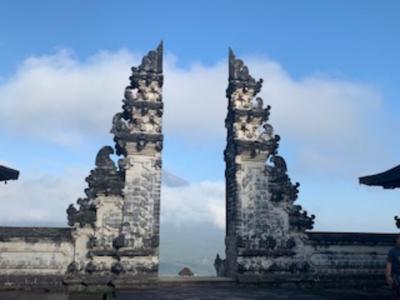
column 33, row 234
column 32, row 282
column 351, row 238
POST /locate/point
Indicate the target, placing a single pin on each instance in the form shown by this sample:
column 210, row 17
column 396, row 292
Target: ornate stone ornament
column 262, row 221
column 116, row 227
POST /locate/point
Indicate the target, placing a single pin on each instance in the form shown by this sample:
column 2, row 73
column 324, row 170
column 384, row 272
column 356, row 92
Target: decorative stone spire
column 151, row 67
column 105, row 180
column 262, row 221
column 138, row 136
column 248, row 130
column 122, row 207
column 140, row 121
column 239, row 76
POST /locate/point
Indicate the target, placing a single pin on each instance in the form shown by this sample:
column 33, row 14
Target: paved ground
column 247, row 293
column 210, row 292
column 32, row 296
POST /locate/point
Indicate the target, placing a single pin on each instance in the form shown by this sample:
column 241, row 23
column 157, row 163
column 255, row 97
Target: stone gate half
column 116, row 228
column 113, row 238
column 263, row 226
column 267, row 237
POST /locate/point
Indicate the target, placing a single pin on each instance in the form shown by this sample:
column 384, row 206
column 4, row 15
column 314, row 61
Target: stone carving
column 114, row 237
column 86, row 215
column 73, row 268
column 140, row 121
column 117, row 268
column 299, row 220
column 97, row 220
column 397, row 219
column 262, row 221
column 240, row 79
column 138, row 135
column 117, row 224
column 104, row 179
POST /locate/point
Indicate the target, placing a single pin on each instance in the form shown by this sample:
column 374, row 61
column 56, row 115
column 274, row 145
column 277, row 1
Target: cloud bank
column 330, row 125
column 328, row 121
column 40, row 198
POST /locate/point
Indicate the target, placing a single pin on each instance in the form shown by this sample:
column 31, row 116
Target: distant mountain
column 192, row 245
column 171, row 180
column 189, row 244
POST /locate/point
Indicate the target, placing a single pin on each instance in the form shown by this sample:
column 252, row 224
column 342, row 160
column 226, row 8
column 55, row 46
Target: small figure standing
column 393, row 269
column 219, row 265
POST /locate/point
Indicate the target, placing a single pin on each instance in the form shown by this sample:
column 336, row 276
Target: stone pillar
column 96, row 224
column 116, row 228
column 138, row 136
column 264, row 229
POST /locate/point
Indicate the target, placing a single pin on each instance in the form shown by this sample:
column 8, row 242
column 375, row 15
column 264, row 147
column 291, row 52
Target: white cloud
column 197, row 202
column 43, row 198
column 217, row 210
column 40, row 197
column 331, row 124
column 58, row 98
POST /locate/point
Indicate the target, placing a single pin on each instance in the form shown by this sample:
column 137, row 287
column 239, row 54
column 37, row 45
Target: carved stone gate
column 113, row 237
column 116, row 228
column 264, row 228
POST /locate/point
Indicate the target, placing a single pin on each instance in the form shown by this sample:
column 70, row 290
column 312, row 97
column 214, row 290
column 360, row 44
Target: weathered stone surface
column 104, row 180
column 138, row 136
column 139, row 124
column 35, row 234
column 187, row 289
column 264, row 227
column 114, row 236
column 213, row 291
column 266, row 232
column 117, row 226
column 34, row 257
column 346, row 258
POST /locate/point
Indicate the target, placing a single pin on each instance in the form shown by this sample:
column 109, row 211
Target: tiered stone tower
column 138, row 137
column 264, row 229
column 116, row 229
column 96, row 224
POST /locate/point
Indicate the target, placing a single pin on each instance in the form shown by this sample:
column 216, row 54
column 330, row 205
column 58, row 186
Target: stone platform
column 209, row 293
column 247, row 293
column 210, row 288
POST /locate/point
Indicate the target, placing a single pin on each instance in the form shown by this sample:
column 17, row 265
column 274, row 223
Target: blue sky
column 340, row 58
column 339, row 36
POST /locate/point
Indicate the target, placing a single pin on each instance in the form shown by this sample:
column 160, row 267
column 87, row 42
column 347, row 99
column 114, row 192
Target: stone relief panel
column 265, row 224
column 243, row 98
column 109, row 220
column 142, row 188
column 148, row 91
column 140, row 120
